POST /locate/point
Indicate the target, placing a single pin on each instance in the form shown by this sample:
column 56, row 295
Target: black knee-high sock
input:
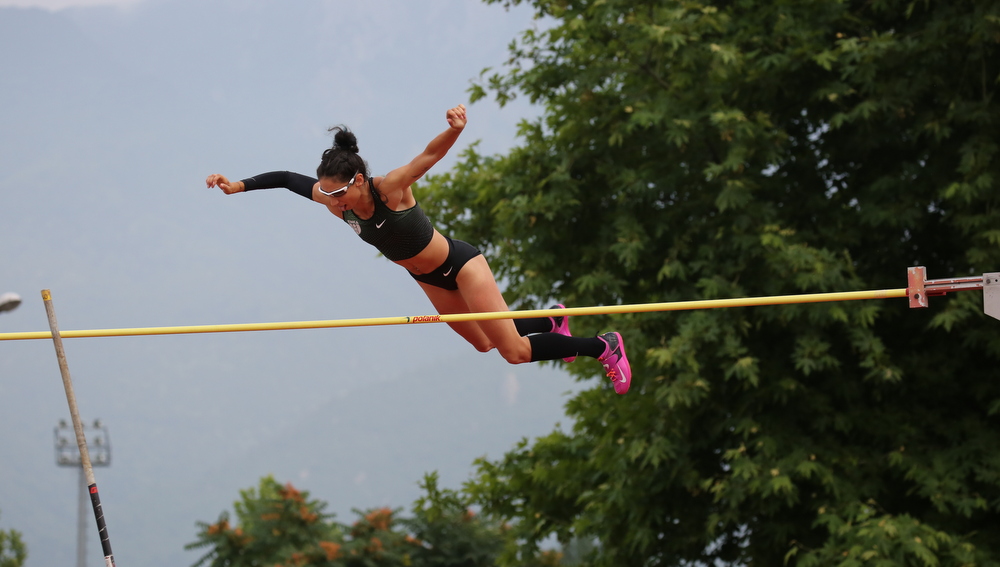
column 535, row 325
column 553, row 346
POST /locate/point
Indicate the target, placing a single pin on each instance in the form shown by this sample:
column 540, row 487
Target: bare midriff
column 430, row 258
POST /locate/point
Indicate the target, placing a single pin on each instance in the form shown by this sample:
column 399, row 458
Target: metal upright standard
column 81, row 440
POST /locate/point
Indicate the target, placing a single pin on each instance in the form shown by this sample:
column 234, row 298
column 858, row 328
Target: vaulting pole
column 81, row 439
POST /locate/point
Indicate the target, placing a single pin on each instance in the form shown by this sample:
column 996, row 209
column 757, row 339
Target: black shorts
column 446, row 274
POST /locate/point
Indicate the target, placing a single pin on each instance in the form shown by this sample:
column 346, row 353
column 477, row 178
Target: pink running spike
column 615, row 362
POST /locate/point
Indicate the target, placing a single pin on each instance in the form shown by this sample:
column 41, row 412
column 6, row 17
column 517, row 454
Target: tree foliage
column 13, row 552
column 279, row 525
column 274, row 525
column 732, row 148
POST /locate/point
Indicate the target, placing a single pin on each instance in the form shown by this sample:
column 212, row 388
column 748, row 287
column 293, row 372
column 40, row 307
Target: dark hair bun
column 342, row 160
column 344, row 139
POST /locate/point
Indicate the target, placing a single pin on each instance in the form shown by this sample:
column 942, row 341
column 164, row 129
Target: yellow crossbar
column 459, row 317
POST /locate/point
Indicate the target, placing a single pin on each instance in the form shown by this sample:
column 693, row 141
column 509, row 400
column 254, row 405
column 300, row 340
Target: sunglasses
column 342, row 191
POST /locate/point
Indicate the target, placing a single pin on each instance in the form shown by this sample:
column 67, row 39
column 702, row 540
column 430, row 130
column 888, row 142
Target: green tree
column 700, row 150
column 449, row 532
column 274, row 525
column 13, row 552
column 280, row 525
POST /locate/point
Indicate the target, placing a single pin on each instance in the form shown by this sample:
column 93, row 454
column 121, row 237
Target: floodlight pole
column 67, row 455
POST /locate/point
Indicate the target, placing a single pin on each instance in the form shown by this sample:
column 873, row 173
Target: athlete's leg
column 482, row 295
column 446, row 302
column 544, row 324
column 478, row 293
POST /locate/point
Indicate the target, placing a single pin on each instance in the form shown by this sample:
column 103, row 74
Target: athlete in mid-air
column 454, row 275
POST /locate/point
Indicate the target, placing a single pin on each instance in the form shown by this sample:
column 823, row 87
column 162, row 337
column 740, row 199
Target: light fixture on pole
column 9, row 301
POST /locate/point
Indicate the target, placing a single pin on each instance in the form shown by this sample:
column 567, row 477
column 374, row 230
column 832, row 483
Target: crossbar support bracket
column 919, row 288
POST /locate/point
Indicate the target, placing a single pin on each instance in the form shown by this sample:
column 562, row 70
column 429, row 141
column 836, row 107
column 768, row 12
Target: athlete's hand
column 456, row 117
column 222, row 182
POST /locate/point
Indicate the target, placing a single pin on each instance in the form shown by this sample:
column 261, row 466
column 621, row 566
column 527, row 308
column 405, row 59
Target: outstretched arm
column 294, row 182
column 403, row 177
column 222, row 182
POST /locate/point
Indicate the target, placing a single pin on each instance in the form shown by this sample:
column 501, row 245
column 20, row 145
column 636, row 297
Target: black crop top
column 398, row 235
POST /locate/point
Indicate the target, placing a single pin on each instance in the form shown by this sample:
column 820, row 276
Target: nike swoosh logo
column 379, row 225
column 450, row 268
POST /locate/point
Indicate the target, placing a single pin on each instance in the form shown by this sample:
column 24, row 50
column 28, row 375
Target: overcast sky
column 60, row 4
column 111, row 116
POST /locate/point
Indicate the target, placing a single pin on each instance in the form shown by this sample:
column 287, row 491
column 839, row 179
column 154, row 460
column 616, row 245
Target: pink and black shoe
column 562, row 327
column 615, row 362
